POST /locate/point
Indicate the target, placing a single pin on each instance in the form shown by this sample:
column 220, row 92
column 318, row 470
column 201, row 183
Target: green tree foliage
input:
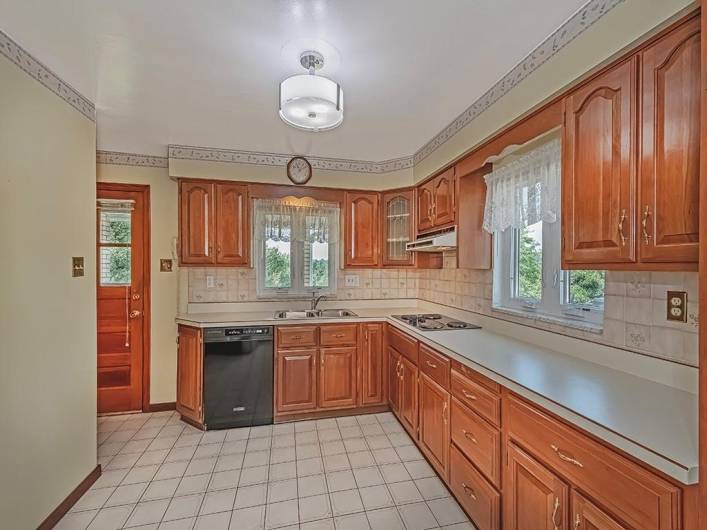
column 530, row 264
column 586, row 286
column 117, row 230
column 320, row 273
column 277, row 269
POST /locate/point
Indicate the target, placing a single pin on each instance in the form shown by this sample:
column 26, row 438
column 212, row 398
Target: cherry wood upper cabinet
column 232, row 226
column 475, row 250
column 362, row 229
column 190, row 362
column 196, row 206
column 587, row 516
column 397, row 227
column 425, row 201
column 372, row 365
column 296, row 380
column 599, row 169
column 670, row 165
column 435, row 202
column 337, row 378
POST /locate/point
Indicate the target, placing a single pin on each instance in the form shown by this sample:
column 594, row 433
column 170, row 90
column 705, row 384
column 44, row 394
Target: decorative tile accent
column 185, row 152
column 575, row 26
column 22, row 58
column 131, row 159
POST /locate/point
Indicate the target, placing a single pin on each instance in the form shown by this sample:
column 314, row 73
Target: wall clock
column 299, row 170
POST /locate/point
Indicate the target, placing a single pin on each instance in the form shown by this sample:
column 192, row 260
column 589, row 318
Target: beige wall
column 163, row 226
column 47, row 318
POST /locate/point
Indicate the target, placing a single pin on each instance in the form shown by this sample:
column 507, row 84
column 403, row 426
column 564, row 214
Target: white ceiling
column 206, row 72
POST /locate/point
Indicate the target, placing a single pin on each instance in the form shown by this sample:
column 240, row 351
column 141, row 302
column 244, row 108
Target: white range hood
column 434, row 242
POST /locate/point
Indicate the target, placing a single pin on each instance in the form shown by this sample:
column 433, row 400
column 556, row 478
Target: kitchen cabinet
column 434, row 434
column 475, row 243
column 477, row 497
column 534, row 497
column 190, row 363
column 408, row 395
column 394, row 381
column 372, row 365
column 196, row 237
column 670, row 133
column 436, row 202
column 362, row 229
column 397, row 227
column 296, row 380
column 337, row 377
column 586, row 515
column 232, row 228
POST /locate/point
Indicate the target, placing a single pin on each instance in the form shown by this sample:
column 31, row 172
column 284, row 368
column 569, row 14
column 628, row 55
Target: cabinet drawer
column 476, row 376
column 477, row 440
column 480, row 500
column 338, row 335
column 402, row 343
column 296, row 336
column 632, row 493
column 478, row 398
column 435, row 365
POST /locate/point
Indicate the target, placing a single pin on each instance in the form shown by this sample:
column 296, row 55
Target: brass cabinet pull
column 430, row 364
column 562, row 456
column 469, row 436
column 444, row 413
column 470, row 397
column 469, row 491
column 296, row 337
column 555, row 512
column 644, row 224
column 621, row 227
column 339, row 336
column 577, row 522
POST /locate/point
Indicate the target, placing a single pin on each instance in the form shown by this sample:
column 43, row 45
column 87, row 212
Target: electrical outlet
column 210, row 282
column 677, row 306
column 352, row 280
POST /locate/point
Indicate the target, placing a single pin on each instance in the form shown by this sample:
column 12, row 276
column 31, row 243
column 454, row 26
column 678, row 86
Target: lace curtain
column 524, row 191
column 291, row 220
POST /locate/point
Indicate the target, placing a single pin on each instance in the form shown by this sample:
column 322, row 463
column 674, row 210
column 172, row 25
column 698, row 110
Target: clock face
column 299, row 170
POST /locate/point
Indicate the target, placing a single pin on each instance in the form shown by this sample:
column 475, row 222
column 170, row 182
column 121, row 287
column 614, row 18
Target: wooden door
column 394, row 381
column 535, row 498
column 425, row 202
column 362, row 229
column 196, row 223
column 296, row 380
column 587, row 516
column 443, row 198
column 434, row 424
column 408, row 396
column 232, row 224
column 337, row 377
column 670, row 165
column 476, row 251
column 372, row 365
column 190, row 364
column 122, row 292
column 397, row 228
column 599, row 170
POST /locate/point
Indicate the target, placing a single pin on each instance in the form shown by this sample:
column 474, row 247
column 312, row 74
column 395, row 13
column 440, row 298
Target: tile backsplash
column 634, row 309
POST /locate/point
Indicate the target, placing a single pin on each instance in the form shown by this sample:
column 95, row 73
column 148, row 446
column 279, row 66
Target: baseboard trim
column 161, row 407
column 63, row 508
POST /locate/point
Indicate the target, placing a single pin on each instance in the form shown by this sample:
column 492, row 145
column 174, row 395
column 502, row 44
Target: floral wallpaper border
column 131, row 159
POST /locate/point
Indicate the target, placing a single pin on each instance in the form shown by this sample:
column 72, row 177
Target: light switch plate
column 77, row 268
column 210, row 282
column 677, row 306
column 165, row 265
column 351, row 280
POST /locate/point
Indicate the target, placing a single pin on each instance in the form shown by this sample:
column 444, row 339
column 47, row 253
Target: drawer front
column 435, row 365
column 338, row 335
column 478, row 441
column 478, row 398
column 480, row 500
column 296, row 336
column 402, row 343
column 475, row 376
column 630, row 492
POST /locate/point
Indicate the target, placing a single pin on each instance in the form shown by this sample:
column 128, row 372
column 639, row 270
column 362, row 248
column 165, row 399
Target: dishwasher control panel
column 240, row 333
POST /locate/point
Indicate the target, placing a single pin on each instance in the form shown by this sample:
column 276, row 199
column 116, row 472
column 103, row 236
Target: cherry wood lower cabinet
column 587, row 516
column 408, row 395
column 372, row 364
column 434, row 424
column 337, row 377
column 296, row 380
column 190, row 364
column 477, row 497
column 394, row 380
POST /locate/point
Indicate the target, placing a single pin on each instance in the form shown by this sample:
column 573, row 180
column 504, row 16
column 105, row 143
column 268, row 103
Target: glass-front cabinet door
column 397, row 227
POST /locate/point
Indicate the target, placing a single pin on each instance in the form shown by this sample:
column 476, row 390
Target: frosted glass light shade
column 311, row 102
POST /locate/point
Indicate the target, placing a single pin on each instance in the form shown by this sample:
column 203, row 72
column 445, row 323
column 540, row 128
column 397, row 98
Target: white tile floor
column 351, row 473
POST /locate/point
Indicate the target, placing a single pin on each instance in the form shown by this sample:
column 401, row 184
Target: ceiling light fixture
column 311, row 102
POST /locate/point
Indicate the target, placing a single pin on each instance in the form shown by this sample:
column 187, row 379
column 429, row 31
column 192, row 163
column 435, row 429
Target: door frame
column 143, row 189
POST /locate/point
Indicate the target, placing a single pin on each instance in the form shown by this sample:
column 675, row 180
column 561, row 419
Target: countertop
column 653, row 422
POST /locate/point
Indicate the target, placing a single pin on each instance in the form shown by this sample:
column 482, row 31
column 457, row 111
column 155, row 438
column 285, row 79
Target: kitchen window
column 295, row 247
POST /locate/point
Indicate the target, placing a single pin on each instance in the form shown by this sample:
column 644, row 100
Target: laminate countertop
column 653, row 422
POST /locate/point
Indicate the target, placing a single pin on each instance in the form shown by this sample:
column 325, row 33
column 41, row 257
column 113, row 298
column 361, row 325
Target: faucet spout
column 315, row 300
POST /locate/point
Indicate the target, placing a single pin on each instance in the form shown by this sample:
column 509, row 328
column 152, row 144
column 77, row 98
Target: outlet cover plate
column 677, row 306
column 351, row 280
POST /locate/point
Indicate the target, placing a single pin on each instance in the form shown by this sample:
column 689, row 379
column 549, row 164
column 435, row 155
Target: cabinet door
column 670, row 167
column 434, row 424
column 425, row 200
column 296, row 380
column 476, row 251
column 535, row 498
column 232, row 226
column 443, row 198
column 394, row 381
column 408, row 396
column 362, row 229
column 397, row 228
column 337, row 378
column 189, row 374
column 196, row 226
column 599, row 170
column 587, row 516
column 373, row 382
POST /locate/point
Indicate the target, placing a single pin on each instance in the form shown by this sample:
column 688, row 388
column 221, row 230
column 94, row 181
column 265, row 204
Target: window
column 296, row 247
column 114, row 253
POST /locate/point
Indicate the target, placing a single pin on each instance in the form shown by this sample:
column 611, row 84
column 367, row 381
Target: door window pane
column 115, row 265
column 115, row 227
column 278, row 271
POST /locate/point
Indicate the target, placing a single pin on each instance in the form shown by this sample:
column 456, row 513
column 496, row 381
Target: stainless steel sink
column 317, row 313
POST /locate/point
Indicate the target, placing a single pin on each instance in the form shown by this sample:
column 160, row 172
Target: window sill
column 590, row 327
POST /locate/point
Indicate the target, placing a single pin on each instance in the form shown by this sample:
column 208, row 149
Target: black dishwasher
column 238, row 377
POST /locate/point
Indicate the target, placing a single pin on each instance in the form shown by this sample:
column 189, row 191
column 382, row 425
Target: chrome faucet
column 315, row 300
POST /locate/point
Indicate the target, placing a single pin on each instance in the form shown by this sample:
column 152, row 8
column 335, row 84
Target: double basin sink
column 316, row 313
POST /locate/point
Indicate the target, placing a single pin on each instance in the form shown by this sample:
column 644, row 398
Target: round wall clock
column 299, row 170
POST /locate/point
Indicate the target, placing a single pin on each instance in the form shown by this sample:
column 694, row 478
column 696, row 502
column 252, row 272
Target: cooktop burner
column 434, row 322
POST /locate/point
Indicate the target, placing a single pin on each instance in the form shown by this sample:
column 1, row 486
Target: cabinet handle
column 577, row 522
column 296, row 337
column 470, row 397
column 339, row 335
column 644, row 224
column 444, row 413
column 469, row 491
column 555, row 512
column 322, row 360
column 469, row 436
column 621, row 227
column 430, row 364
column 562, row 456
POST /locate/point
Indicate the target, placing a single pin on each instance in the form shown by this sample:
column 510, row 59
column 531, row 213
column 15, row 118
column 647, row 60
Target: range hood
column 434, row 242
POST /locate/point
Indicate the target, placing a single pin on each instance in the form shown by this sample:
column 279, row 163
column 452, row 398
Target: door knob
column 135, row 296
column 135, row 313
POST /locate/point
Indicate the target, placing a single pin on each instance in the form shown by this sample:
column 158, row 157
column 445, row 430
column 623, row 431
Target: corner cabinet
column 436, row 202
column 362, row 229
column 214, row 223
column 398, row 227
column 190, row 362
